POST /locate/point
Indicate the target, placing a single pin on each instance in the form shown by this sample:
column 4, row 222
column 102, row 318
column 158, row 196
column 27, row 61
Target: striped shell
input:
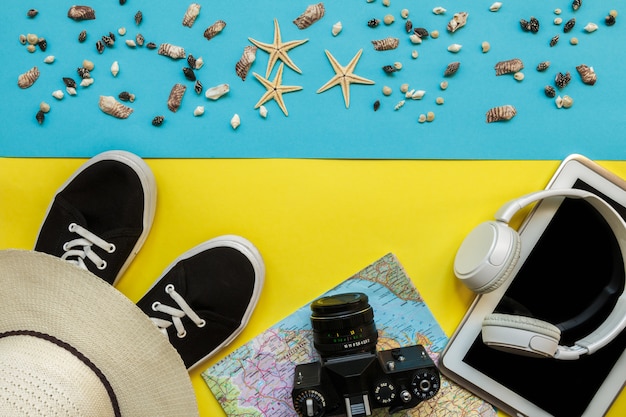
column 173, row 51
column 587, row 74
column 176, row 97
column 28, row 78
column 111, row 106
column 214, row 29
column 245, row 62
column 458, row 21
column 191, row 14
column 386, row 44
column 81, row 13
column 312, row 14
column 497, row 114
column 509, row 66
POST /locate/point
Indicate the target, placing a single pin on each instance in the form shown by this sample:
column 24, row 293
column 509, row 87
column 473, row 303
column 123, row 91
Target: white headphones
column 489, row 254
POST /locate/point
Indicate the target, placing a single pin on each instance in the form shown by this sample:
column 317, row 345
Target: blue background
column 318, row 125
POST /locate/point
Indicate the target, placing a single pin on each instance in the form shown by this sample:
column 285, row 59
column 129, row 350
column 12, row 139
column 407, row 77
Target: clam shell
column 28, row 78
column 509, row 66
column 214, row 29
column 110, row 106
column 81, row 13
column 191, row 14
column 458, row 21
column 172, row 51
column 312, row 14
column 176, row 97
column 245, row 62
column 500, row 113
column 386, row 44
column 216, row 92
column 587, row 74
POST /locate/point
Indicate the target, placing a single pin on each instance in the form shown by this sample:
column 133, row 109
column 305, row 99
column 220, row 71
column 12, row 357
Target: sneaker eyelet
column 155, row 306
column 202, row 324
column 111, row 248
column 66, row 247
column 169, row 288
column 102, row 265
column 71, row 227
column 181, row 334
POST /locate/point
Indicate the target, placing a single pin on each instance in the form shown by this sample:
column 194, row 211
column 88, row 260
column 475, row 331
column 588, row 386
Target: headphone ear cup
column 487, row 256
column 522, row 335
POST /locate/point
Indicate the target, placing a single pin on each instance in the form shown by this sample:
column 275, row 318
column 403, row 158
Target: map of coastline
column 256, row 379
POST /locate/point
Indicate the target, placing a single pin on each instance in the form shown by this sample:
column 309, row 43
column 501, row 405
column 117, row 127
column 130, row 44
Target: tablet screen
column 571, row 278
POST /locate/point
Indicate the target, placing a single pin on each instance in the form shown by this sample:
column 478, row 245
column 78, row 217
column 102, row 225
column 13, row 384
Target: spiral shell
column 81, row 13
column 172, row 51
column 191, row 14
column 111, row 106
column 214, row 29
column 386, row 44
column 312, row 14
column 176, row 97
column 509, row 66
column 497, row 114
column 245, row 62
column 139, row 39
column 587, row 74
column 458, row 21
column 28, row 78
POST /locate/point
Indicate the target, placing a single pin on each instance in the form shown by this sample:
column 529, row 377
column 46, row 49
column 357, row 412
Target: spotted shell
column 111, row 106
column 176, row 97
column 542, row 66
column 451, row 69
column 386, row 44
column 191, row 14
column 28, row 78
column 561, row 80
column 587, row 74
column 245, row 62
column 172, row 51
column 81, row 13
column 501, row 113
column 312, row 14
column 458, row 21
column 509, row 66
column 214, row 29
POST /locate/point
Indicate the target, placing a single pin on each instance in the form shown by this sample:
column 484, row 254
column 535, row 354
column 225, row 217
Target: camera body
column 351, row 378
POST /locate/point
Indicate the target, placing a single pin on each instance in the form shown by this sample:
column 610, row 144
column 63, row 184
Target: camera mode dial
column 425, row 384
column 310, row 403
column 385, row 392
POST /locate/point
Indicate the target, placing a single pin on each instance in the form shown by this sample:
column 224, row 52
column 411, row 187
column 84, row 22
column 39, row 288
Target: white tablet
column 569, row 259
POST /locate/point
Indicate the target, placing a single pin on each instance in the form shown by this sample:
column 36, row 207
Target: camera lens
column 343, row 324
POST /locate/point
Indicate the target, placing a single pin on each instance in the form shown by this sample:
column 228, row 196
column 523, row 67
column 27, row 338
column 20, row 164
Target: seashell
column 509, row 66
column 44, row 107
column 131, row 43
column 415, row 39
column 86, row 82
column 216, row 92
column 214, row 29
column 554, row 40
column 576, row 4
column 23, row 39
column 564, row 102
column 421, row 32
column 115, row 68
column 198, row 111
column 150, row 45
column 336, row 29
column 69, row 82
column 199, row 63
column 561, row 80
column 439, row 10
column 558, row 20
column 312, row 14
column 197, row 87
column 112, row 36
column 373, row 23
column 235, row 121
column 83, row 72
column 28, row 78
column 485, row 47
column 108, row 40
column 263, row 111
column 88, row 65
column 408, row 26
column 542, row 66
column 71, row 90
column 40, row 116
column 81, row 13
column 122, row 31
column 404, row 13
column 49, row 59
column 376, row 105
column 549, row 91
column 591, row 27
column 386, row 44
column 414, row 54
column 191, row 60
column 609, row 20
column 32, row 13
column 99, row 46
column 587, row 74
column 569, row 25
column 399, row 105
column 501, row 113
column 458, row 21
column 389, row 69
column 176, row 97
column 32, row 39
column 455, row 47
column 110, row 106
column 139, row 39
column 172, row 51
column 82, row 36
column 189, row 74
column 158, row 120
column 495, row 6
column 451, row 69
column 417, row 94
column 191, row 14
column 533, row 25
column 42, row 44
column 30, row 48
column 58, row 94
column 138, row 17
column 126, row 96
column 245, row 62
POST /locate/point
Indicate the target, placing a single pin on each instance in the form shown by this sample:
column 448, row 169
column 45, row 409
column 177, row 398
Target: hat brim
column 42, row 293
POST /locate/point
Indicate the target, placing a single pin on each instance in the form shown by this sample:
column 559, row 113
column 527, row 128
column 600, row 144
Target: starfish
column 275, row 89
column 278, row 50
column 344, row 76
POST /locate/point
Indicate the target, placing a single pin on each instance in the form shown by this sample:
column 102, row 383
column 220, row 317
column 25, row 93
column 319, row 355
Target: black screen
column 572, row 278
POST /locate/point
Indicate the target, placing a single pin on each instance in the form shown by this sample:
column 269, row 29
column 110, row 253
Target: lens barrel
column 343, row 324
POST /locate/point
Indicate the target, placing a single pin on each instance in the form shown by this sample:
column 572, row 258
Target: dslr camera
column 352, row 378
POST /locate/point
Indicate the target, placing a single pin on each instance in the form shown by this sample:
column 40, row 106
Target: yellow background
column 316, row 222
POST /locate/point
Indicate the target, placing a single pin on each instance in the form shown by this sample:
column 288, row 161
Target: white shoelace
column 176, row 313
column 80, row 248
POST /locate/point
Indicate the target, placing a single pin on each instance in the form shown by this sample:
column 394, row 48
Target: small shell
column 126, row 96
column 312, row 14
column 561, row 80
column 86, row 82
column 455, row 47
column 176, row 97
column 408, row 26
column 172, row 51
column 376, row 105
column 197, row 87
column 399, row 105
column 417, row 94
column 149, row 45
column 549, row 91
column 99, row 46
column 337, row 28
column 22, row 38
column 110, row 106
column 81, row 13
column 32, row 39
column 191, row 14
column 158, row 121
column 495, row 6
column 71, row 90
column 591, row 27
column 373, row 22
column 421, row 32
column 485, row 47
column 32, row 12
column 189, row 74
column 235, row 121
column 28, row 78
column 58, row 94
column 564, row 102
column 569, row 25
column 451, row 69
column 387, row 90
column 439, row 10
column 245, row 62
column 83, row 72
column 40, row 116
column 388, row 19
column 138, row 17
column 115, row 68
column 42, row 44
column 519, row 76
column 558, row 20
column 82, row 36
column 88, row 65
column 509, row 66
column 69, row 82
column 542, row 66
column 587, row 74
column 139, row 39
column 216, row 92
column 108, row 40
column 404, row 13
column 576, row 4
column 609, row 20
column 415, row 39
column 263, row 111
column 496, row 114
column 131, row 43
column 49, row 59
column 554, row 40
column 121, row 31
column 44, row 107
column 386, row 44
column 458, row 21
column 198, row 111
column 214, row 29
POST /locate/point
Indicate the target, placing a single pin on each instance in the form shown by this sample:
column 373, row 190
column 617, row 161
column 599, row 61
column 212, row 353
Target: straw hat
column 72, row 345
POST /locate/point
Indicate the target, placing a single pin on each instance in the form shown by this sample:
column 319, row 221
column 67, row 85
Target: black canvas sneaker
column 205, row 298
column 101, row 216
